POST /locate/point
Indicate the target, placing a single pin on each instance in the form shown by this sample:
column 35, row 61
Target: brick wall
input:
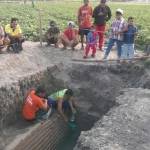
column 42, row 136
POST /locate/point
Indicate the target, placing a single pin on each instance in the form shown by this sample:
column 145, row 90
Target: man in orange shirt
column 34, row 102
column 70, row 36
column 84, row 20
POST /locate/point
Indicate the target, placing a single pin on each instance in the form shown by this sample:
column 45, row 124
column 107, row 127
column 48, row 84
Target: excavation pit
column 96, row 88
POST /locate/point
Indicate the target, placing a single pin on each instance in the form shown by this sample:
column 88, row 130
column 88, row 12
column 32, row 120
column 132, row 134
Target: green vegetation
column 65, row 11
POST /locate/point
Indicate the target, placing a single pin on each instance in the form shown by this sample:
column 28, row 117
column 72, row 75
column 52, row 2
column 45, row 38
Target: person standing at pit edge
column 118, row 27
column 101, row 15
column 84, row 20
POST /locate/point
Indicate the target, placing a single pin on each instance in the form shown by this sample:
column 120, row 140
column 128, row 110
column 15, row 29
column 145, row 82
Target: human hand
column 74, row 111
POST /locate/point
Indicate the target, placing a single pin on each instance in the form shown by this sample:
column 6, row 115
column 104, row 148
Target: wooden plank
column 109, row 60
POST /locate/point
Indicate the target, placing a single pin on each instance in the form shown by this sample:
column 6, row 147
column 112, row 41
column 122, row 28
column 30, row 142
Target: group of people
column 122, row 32
column 38, row 106
column 11, row 36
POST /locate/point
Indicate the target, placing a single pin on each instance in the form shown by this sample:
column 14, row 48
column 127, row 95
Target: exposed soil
column 96, row 86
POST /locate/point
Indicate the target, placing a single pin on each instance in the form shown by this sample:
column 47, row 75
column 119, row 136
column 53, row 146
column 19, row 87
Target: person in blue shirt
column 129, row 39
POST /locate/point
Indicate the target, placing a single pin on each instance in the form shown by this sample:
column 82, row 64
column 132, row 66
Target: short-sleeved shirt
column 71, row 33
column 85, row 16
column 118, row 26
column 31, row 105
column 129, row 35
column 11, row 31
column 92, row 37
column 58, row 95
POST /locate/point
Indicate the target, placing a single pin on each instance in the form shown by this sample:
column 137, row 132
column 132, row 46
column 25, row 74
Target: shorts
column 84, row 31
column 53, row 103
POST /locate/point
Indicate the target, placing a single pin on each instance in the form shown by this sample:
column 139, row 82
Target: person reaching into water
column 63, row 101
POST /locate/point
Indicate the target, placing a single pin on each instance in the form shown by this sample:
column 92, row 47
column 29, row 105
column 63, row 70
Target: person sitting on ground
column 2, row 34
column 70, row 36
column 128, row 41
column 91, row 42
column 118, row 26
column 84, row 20
column 34, row 104
column 52, row 34
column 63, row 101
column 14, row 33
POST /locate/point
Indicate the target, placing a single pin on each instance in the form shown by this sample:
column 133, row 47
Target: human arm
column 60, row 110
column 94, row 12
column 79, row 16
column 1, row 33
column 136, row 31
column 109, row 14
column 41, row 103
column 73, row 105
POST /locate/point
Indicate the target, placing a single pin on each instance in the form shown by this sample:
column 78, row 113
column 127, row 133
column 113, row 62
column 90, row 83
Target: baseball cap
column 119, row 11
column 71, row 23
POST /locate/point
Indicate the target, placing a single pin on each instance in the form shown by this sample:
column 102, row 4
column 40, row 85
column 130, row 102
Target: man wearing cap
column 118, row 27
column 69, row 37
column 84, row 20
column 101, row 15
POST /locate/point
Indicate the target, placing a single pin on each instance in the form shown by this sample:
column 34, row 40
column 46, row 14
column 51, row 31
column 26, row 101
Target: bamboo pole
column 40, row 25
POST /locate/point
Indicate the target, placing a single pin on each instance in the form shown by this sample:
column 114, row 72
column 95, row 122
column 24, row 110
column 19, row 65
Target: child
column 91, row 42
column 52, row 35
column 129, row 37
column 117, row 28
column 70, row 37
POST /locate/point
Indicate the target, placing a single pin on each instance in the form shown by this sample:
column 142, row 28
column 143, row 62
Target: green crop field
column 62, row 12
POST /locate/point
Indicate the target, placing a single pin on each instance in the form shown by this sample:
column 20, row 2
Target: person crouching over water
column 63, row 101
column 35, row 105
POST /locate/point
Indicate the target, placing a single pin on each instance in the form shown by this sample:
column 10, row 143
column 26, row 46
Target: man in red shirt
column 33, row 103
column 84, row 20
column 69, row 37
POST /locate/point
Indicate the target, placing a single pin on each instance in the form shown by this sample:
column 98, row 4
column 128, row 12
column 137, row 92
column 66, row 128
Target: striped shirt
column 118, row 26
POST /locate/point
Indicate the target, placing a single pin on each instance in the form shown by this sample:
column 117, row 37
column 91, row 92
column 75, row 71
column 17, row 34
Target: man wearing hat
column 101, row 15
column 118, row 27
column 69, row 37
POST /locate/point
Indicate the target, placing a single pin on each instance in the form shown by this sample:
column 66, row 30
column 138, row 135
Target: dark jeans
column 111, row 44
column 16, row 44
column 53, row 103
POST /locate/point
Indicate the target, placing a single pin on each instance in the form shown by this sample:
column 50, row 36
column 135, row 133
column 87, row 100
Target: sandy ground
column 34, row 58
